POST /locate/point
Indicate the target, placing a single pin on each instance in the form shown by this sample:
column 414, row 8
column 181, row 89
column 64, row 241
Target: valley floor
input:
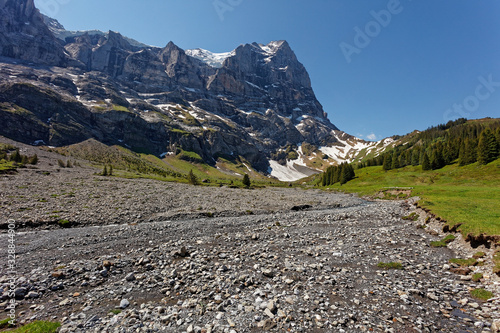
column 150, row 256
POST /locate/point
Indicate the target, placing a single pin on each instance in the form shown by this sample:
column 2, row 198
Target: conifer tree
column 387, row 162
column 105, row 171
column 192, row 179
column 426, row 165
column 395, row 161
column 487, row 150
column 246, row 181
column 415, row 157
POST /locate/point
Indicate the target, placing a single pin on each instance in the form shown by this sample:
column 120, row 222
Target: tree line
column 338, row 174
column 436, row 147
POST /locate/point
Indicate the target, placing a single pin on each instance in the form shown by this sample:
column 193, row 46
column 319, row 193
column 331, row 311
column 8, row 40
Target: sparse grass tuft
column 479, row 255
column 477, row 277
column 412, row 217
column 38, row 327
column 443, row 242
column 481, row 294
column 64, row 223
column 464, row 262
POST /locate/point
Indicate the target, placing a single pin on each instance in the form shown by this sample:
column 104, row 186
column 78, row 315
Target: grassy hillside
column 467, row 195
column 129, row 164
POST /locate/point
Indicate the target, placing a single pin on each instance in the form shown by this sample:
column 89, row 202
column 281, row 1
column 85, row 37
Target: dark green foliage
column 467, row 153
column 487, row 150
column 437, row 161
column 341, row 173
column 105, row 171
column 33, row 160
column 443, row 145
column 246, row 180
column 387, row 162
column 426, row 164
column 192, row 179
column 16, row 156
column 395, row 161
column 110, row 170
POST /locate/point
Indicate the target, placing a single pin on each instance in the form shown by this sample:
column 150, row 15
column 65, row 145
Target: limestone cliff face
column 23, row 35
column 251, row 102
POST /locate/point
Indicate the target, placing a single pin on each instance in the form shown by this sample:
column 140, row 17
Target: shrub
column 33, row 160
column 192, row 179
column 246, row 180
column 68, row 164
column 105, row 171
column 390, row 265
column 61, row 163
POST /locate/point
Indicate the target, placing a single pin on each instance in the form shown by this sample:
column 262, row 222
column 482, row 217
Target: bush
column 246, row 180
column 61, row 163
column 33, row 160
column 192, row 179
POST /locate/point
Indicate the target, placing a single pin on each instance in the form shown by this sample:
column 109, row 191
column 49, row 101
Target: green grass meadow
column 468, row 195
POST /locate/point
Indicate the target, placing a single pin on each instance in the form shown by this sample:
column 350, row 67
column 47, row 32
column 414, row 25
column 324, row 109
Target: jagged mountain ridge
column 252, row 102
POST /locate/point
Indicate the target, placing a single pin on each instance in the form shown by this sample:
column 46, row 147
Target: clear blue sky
column 429, row 57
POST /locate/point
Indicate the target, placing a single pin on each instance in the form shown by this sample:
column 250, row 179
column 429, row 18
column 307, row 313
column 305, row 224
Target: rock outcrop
column 252, row 102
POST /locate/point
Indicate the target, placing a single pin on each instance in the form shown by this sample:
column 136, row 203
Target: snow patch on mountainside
column 349, row 149
column 212, row 59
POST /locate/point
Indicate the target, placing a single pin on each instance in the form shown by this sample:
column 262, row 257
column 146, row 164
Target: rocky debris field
column 306, row 271
column 43, row 196
column 149, row 256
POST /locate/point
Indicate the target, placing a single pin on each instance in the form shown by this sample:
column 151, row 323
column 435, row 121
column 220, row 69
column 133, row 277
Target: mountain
column 255, row 103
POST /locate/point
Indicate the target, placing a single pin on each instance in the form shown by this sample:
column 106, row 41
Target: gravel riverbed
column 148, row 256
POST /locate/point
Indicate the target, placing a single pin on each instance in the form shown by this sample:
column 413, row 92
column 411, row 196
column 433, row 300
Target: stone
column 268, row 273
column 130, row 277
column 124, row 303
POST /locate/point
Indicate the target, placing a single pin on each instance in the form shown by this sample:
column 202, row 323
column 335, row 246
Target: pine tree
column 426, row 165
column 192, row 179
column 415, row 157
column 105, row 171
column 111, row 170
column 487, row 150
column 395, row 161
column 336, row 174
column 246, row 181
column 437, row 161
column 387, row 162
